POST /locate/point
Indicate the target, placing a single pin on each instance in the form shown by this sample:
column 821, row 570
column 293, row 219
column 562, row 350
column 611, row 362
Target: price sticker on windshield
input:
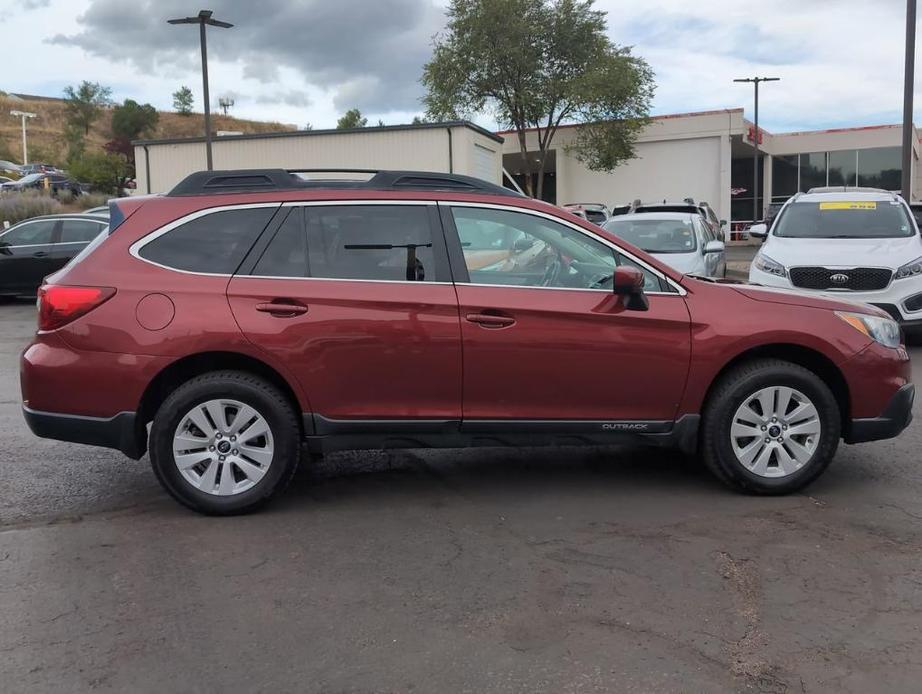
column 863, row 205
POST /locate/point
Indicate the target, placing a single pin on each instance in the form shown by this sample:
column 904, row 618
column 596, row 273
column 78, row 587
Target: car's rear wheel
column 225, row 442
column 770, row 427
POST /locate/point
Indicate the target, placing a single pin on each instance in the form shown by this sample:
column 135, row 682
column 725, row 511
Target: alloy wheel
column 223, row 447
column 775, row 431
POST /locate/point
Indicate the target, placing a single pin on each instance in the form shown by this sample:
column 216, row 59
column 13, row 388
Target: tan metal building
column 454, row 147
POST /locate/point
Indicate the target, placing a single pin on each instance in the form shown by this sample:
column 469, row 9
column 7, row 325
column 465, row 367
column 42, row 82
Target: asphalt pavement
column 566, row 570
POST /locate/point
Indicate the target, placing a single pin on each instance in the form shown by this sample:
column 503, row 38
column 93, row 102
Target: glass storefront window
column 812, row 171
column 842, row 168
column 880, row 167
column 784, row 175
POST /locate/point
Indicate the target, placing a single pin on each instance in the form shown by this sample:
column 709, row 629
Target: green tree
column 104, row 172
column 538, row 64
column 85, row 102
column 130, row 120
column 351, row 119
column 182, row 100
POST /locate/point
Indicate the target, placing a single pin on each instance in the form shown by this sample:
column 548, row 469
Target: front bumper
column 894, row 419
column 120, row 432
column 892, row 299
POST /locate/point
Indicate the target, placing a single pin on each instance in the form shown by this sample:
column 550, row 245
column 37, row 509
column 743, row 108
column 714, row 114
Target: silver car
column 682, row 240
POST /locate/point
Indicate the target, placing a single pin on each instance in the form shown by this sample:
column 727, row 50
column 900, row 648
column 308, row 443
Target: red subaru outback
column 247, row 313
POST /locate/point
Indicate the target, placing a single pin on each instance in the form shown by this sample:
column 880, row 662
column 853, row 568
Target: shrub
column 104, row 172
column 15, row 207
column 65, row 197
column 85, row 202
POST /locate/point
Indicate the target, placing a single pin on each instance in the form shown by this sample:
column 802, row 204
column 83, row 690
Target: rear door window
column 214, row 243
column 353, row 242
column 79, row 231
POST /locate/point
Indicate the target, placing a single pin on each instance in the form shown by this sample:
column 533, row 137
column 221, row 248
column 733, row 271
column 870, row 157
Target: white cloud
column 840, row 60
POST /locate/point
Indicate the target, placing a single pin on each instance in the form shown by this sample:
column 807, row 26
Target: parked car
column 6, row 179
column 857, row 244
column 55, row 183
column 682, row 240
column 595, row 212
column 687, row 205
column 40, row 246
column 10, row 167
column 223, row 330
column 27, row 169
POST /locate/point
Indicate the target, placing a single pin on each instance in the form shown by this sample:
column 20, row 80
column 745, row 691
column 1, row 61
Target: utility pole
column 755, row 143
column 908, row 78
column 25, row 149
column 204, row 18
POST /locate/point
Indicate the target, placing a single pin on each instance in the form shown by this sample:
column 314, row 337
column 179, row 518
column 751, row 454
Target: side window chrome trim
column 337, row 279
column 135, row 248
column 680, row 290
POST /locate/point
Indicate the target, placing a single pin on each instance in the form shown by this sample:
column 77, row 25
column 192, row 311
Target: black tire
column 250, row 390
column 730, row 393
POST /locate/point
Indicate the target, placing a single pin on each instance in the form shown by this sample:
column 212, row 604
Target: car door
column 25, row 255
column 545, row 338
column 74, row 236
column 357, row 299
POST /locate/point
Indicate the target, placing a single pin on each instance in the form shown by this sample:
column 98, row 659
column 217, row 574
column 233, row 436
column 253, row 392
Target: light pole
column 908, row 76
column 202, row 19
column 25, row 150
column 755, row 143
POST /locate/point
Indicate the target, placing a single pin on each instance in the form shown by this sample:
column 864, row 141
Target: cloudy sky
column 307, row 61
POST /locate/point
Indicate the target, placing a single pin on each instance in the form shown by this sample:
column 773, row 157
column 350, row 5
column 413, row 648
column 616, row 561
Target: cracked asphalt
column 617, row 569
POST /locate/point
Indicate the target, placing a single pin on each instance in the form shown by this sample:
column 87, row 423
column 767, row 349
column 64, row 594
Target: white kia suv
column 856, row 243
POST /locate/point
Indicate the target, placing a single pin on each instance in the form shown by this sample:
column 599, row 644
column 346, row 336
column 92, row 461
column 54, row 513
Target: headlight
column 772, row 267
column 912, row 269
column 886, row 331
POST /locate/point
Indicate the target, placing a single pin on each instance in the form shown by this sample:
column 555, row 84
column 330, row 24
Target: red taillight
column 58, row 304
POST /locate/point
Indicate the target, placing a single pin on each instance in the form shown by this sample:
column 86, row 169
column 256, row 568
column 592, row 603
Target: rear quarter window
column 214, row 243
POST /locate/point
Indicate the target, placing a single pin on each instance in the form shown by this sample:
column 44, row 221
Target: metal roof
column 332, row 131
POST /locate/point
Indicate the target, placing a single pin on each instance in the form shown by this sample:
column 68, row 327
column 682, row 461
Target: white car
column 682, row 240
column 860, row 244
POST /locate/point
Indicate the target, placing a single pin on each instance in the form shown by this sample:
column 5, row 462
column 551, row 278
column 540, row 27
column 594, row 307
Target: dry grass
column 46, row 132
column 14, row 207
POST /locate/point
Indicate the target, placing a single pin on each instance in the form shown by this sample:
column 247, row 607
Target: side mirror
column 723, row 223
column 758, row 231
column 628, row 282
column 714, row 247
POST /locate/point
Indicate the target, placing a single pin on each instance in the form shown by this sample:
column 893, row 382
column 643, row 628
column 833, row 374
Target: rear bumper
column 894, row 419
column 120, row 432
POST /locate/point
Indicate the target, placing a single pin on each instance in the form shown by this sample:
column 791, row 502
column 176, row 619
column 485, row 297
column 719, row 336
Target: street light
column 24, row 115
column 202, row 19
column 755, row 143
column 906, row 182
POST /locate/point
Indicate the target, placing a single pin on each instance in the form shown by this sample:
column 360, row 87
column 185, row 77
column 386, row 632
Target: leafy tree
column 351, row 119
column 85, row 102
column 308, row 126
column 419, row 120
column 538, row 64
column 105, row 172
column 380, row 123
column 131, row 120
column 75, row 141
column 182, row 100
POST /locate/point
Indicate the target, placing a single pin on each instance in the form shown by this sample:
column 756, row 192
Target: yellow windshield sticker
column 848, row 205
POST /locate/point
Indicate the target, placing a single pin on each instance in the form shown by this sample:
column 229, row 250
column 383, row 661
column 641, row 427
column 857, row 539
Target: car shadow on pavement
column 488, row 470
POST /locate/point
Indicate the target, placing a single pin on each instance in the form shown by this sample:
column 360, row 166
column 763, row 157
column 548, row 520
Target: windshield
column 839, row 219
column 656, row 235
column 30, row 178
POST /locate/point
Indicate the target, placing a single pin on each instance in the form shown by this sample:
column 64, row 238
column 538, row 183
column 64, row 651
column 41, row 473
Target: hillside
column 46, row 132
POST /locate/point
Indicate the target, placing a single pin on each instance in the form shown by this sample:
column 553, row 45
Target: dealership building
column 706, row 155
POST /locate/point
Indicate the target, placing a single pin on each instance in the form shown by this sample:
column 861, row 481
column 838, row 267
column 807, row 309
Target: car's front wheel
column 770, row 427
column 225, row 442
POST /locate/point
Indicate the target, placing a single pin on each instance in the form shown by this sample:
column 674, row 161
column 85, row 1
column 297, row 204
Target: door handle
column 281, row 309
column 490, row 320
column 39, row 254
